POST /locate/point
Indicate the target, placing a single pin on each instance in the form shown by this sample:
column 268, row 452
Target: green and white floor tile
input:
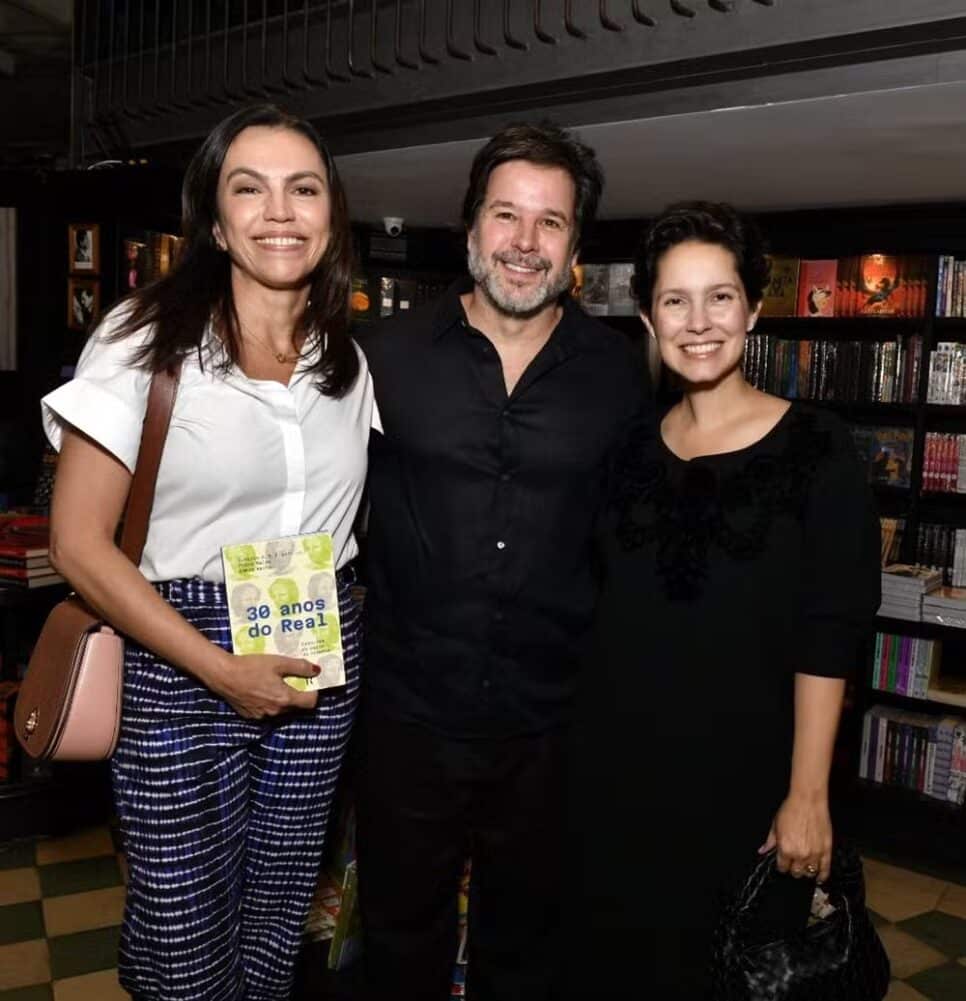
column 61, row 901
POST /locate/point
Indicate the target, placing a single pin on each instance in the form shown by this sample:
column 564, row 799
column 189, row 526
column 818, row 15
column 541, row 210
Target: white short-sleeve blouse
column 244, row 459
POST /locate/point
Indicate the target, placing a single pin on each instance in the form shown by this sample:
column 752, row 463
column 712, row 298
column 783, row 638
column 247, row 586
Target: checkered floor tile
column 61, row 901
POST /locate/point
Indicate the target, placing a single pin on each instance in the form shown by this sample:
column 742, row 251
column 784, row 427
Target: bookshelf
column 889, row 816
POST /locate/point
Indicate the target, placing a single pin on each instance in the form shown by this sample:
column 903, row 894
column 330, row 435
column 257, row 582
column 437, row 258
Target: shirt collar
column 571, row 330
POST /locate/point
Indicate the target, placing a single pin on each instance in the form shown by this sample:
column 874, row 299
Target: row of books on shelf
column 951, row 286
column 866, row 285
column 886, row 453
column 830, row 370
column 944, row 463
column 926, row 754
column 905, row 665
column 947, row 374
column 25, row 551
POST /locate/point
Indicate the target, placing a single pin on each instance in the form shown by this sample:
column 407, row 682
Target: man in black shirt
column 500, row 406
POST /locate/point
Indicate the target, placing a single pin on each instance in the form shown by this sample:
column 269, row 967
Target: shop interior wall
column 122, row 199
column 46, row 203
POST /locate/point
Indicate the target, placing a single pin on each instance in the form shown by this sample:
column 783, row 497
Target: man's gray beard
column 523, row 307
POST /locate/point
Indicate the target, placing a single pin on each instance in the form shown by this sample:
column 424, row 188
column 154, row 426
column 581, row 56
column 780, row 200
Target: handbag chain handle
column 140, row 498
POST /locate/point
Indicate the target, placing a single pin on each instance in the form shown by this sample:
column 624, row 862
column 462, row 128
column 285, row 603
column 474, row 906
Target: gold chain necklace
column 279, row 356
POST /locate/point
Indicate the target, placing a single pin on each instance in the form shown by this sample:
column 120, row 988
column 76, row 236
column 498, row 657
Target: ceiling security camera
column 393, row 224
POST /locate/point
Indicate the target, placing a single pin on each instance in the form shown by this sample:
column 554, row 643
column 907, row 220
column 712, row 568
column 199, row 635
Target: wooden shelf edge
column 935, row 696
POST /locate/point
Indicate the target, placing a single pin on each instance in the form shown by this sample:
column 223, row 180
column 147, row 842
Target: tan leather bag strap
column 164, row 388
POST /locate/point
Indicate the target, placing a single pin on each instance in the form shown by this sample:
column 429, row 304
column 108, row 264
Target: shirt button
column 501, row 545
column 498, row 616
column 505, row 477
column 486, row 682
column 505, row 413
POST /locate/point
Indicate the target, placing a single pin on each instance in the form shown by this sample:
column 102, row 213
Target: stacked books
column 903, row 587
column 926, row 754
column 945, row 606
column 905, row 665
column 25, row 551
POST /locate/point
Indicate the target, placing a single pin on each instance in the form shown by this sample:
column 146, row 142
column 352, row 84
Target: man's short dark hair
column 707, row 222
column 546, row 145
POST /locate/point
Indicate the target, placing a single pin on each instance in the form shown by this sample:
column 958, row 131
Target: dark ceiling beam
column 440, row 81
column 33, row 10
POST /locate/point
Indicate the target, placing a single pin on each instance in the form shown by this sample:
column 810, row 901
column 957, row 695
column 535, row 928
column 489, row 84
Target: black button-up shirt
column 480, row 567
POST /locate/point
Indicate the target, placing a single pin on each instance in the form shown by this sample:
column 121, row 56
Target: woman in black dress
column 741, row 570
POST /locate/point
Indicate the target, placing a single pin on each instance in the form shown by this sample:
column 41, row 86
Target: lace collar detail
column 685, row 509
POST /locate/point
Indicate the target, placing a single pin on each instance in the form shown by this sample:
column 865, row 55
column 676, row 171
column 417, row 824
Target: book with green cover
column 282, row 599
column 346, row 942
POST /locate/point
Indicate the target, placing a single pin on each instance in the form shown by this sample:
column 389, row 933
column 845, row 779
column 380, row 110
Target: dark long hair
column 546, row 145
column 198, row 289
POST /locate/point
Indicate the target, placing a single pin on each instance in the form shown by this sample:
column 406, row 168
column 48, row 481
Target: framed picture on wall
column 83, row 302
column 84, row 248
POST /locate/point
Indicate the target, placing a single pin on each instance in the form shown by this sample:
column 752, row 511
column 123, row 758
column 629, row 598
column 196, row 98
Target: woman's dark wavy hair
column 708, row 222
column 180, row 304
column 547, row 145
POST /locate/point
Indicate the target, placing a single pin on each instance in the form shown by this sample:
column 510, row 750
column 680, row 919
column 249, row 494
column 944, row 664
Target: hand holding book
column 255, row 685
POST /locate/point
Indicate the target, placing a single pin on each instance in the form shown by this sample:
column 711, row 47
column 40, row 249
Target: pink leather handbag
column 69, row 705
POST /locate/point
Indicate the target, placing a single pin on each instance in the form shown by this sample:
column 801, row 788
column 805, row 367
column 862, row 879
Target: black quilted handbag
column 836, row 958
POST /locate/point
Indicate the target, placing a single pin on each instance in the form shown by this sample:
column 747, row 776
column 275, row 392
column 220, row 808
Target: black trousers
column 424, row 803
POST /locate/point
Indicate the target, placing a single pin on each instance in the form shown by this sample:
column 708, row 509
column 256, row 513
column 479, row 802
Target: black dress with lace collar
column 723, row 577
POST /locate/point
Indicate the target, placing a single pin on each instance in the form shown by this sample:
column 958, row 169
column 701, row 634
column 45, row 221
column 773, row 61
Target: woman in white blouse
column 224, row 774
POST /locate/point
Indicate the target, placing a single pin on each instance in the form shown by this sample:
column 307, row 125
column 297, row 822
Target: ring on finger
column 811, row 869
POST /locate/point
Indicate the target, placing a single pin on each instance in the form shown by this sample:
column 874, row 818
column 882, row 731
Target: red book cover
column 882, row 289
column 912, row 268
column 817, row 282
column 26, row 573
column 23, row 549
column 22, row 536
